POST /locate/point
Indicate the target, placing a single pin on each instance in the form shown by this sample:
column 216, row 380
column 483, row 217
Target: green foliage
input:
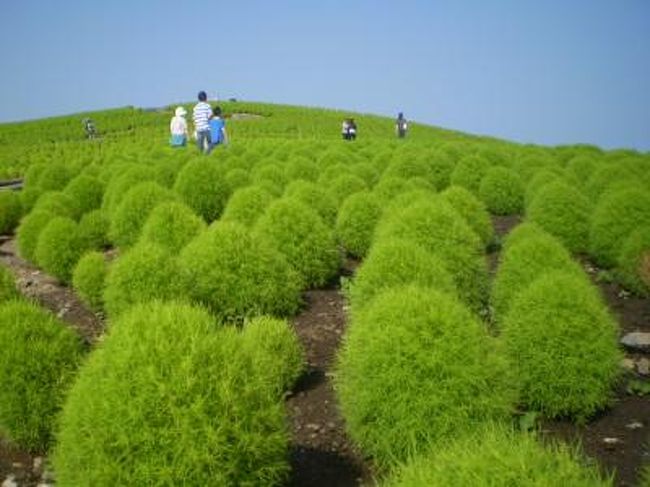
column 562, row 211
column 85, row 192
column 11, row 210
column 53, row 177
column 270, row 176
column 415, row 370
column 345, row 185
column 88, row 279
column 57, row 203
column 394, row 262
column 563, row 345
column 541, row 178
column 441, row 166
column 8, row 288
column 501, row 191
column 29, row 230
column 581, row 168
column 496, row 456
column 93, row 228
column 132, row 213
column 39, row 357
column 356, row 222
column 238, row 275
column 247, row 204
column 617, row 214
column 122, row 182
column 469, row 172
column 633, row 260
column 168, row 384
column 299, row 233
column 203, row 187
column 172, row 225
column 237, row 178
column 144, row 273
column 59, row 247
column 315, row 197
column 408, row 167
column 300, row 167
column 472, row 210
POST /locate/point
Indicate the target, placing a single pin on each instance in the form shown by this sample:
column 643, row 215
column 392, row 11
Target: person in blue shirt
column 218, row 134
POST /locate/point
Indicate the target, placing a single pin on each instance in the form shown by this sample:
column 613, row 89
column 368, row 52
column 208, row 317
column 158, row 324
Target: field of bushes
column 198, row 263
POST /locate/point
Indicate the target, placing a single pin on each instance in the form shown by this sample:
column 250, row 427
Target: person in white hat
column 178, row 128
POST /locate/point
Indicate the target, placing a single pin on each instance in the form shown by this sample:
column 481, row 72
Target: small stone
column 612, row 442
column 10, row 481
column 331, row 425
column 38, row 463
column 17, row 465
column 637, row 341
column 313, row 426
column 48, row 476
column 628, row 364
column 643, row 366
column 635, row 425
column 623, row 294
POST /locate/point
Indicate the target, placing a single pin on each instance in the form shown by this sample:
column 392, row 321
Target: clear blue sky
column 547, row 72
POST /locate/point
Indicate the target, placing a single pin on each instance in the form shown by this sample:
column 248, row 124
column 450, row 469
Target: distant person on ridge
column 349, row 129
column 89, row 127
column 218, row 134
column 401, row 126
column 201, row 116
column 178, row 128
column 345, row 128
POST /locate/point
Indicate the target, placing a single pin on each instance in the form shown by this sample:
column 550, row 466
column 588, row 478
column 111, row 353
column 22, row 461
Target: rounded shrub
column 563, row 212
column 85, row 193
column 8, row 288
column 616, row 215
column 133, row 211
column 581, row 168
column 540, row 179
column 395, row 262
column 238, row 275
column 608, row 176
column 399, row 381
column 193, row 395
column 356, row 222
column 172, row 225
column 442, row 165
column 93, row 228
column 88, row 279
column 501, row 191
column 203, row 187
column 469, row 172
column 472, row 210
column 29, row 230
column 366, row 171
column 59, row 247
column 271, row 176
column 315, row 197
column 11, row 210
column 409, row 167
column 563, row 346
column 54, row 177
column 57, row 203
column 344, row 186
column 121, row 182
column 298, row 232
column 39, row 359
column 633, row 262
column 237, row 178
column 247, row 204
column 300, row 167
column 496, row 455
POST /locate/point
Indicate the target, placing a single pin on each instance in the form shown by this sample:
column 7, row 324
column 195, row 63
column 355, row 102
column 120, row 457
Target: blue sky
column 551, row 72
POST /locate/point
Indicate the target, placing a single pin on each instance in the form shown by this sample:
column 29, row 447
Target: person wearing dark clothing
column 401, row 126
column 349, row 129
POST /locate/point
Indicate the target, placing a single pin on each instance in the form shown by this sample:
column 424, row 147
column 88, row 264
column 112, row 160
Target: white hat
column 180, row 112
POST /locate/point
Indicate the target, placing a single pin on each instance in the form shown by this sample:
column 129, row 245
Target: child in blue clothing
column 218, row 134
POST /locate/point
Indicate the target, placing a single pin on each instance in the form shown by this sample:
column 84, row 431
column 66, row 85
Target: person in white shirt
column 201, row 116
column 178, row 128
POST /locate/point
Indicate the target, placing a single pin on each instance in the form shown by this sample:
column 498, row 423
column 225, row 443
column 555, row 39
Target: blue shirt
column 216, row 130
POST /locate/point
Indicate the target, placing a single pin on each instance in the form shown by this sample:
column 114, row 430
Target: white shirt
column 201, row 115
column 178, row 126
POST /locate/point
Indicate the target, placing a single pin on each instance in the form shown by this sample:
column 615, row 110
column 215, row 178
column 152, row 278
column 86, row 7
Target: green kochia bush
column 145, row 272
column 172, row 225
column 616, row 216
column 356, row 222
column 344, row 186
column 10, row 211
column 501, row 191
column 394, row 262
column 89, row 277
column 469, row 172
column 85, row 192
column 57, row 203
column 122, row 182
column 39, row 358
column 634, row 253
column 563, row 212
column 298, row 232
column 203, row 187
column 247, row 204
column 563, row 346
column 472, row 210
column 29, row 230
column 400, row 384
column 237, row 274
column 169, row 398
column 7, row 285
column 315, row 197
column 497, row 456
column 59, row 247
column 93, row 228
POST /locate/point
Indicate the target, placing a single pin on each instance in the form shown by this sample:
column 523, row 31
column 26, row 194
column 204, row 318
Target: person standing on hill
column 218, row 134
column 201, row 116
column 178, row 128
column 401, row 126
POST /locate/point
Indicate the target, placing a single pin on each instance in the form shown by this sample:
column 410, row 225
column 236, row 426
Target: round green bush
column 564, row 212
column 366, row 171
column 439, row 229
column 541, row 178
column 581, row 168
column 270, row 176
column 39, row 358
column 238, row 275
column 441, row 166
column 356, row 222
column 525, row 260
column 59, row 247
column 616, row 215
column 93, row 228
column 169, row 398
column 29, row 230
column 610, row 175
column 315, row 197
column 299, row 233
column 121, row 182
column 54, row 177
column 28, row 197
column 501, row 191
column 85, row 192
column 633, row 256
column 237, row 178
column 472, row 210
column 497, row 456
column 416, row 369
column 172, row 225
column 469, row 172
column 8, row 288
column 396, row 262
column 300, row 167
column 247, row 204
column 134, row 209
column 344, row 186
column 563, row 345
column 57, row 203
column 88, row 279
column 203, row 187
column 145, row 272
column 409, row 167
column 11, row 210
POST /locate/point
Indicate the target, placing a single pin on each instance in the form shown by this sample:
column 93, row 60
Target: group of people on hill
column 349, row 127
column 209, row 126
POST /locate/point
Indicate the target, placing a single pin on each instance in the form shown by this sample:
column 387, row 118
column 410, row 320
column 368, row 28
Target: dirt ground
column 321, row 453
